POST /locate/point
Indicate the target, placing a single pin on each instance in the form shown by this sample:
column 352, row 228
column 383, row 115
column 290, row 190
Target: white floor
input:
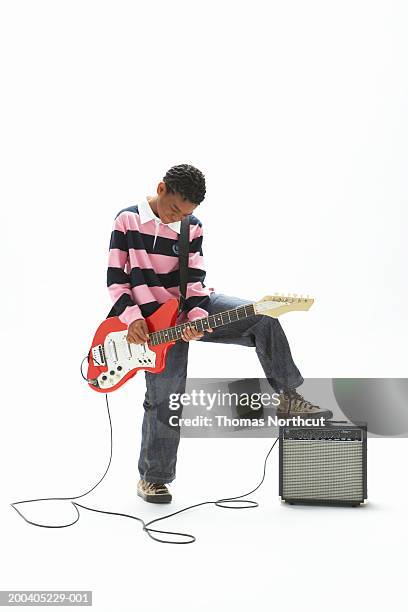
column 273, row 555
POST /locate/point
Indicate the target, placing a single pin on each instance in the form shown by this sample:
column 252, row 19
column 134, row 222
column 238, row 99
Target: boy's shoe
column 153, row 492
column 293, row 404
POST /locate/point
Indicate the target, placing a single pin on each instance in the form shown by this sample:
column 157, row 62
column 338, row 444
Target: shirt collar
column 146, row 214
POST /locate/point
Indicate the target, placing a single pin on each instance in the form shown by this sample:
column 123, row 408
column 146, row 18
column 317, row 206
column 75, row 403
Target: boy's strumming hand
column 138, row 332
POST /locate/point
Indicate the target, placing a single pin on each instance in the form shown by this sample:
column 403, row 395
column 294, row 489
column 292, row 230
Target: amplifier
column 323, row 465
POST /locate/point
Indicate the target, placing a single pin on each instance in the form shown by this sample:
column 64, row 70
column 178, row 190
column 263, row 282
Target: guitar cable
column 188, row 538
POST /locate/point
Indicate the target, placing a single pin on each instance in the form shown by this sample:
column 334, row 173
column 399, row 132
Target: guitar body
column 112, row 360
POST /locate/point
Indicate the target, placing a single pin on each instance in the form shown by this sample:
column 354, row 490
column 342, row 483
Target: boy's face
column 170, row 206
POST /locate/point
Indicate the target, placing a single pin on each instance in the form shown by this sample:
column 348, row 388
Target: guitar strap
column 183, row 244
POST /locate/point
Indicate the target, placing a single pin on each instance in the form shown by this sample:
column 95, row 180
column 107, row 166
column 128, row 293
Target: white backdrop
column 296, row 112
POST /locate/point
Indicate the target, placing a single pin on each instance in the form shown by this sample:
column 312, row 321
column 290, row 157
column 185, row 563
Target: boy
column 143, row 272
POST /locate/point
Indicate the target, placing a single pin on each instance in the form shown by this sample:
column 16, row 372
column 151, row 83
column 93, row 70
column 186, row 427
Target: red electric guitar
column 112, row 360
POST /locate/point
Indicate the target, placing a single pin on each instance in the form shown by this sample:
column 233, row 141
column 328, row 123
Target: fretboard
column 216, row 320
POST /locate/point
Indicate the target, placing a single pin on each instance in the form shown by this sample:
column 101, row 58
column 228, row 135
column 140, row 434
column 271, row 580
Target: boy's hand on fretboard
column 191, row 333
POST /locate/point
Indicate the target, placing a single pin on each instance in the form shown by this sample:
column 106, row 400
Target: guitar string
column 260, row 305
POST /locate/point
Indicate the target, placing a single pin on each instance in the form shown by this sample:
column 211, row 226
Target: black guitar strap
column 183, row 248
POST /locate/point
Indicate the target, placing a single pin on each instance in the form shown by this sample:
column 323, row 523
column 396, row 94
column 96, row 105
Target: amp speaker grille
column 322, row 470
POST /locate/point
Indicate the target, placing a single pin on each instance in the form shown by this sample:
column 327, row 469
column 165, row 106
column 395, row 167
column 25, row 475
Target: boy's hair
column 187, row 181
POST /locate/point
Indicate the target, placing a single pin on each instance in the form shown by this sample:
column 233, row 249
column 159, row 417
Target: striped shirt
column 143, row 265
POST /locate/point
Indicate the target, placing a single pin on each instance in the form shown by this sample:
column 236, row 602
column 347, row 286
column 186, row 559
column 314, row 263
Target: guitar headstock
column 277, row 304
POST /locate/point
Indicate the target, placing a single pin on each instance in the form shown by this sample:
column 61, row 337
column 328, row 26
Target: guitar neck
column 212, row 321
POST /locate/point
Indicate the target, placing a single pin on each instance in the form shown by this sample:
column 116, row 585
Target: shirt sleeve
column 118, row 280
column 197, row 294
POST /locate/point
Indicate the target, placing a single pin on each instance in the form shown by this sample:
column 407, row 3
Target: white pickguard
column 121, row 356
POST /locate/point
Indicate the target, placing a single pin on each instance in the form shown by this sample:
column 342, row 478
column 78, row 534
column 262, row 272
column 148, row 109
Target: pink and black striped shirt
column 143, row 265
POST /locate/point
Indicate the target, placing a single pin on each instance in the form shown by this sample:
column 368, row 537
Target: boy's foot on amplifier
column 294, row 404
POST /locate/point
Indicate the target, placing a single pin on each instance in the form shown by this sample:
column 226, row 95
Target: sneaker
column 153, row 492
column 293, row 404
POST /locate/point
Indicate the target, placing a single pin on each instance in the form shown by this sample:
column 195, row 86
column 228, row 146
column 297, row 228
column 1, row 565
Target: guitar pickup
column 128, row 349
column 111, row 350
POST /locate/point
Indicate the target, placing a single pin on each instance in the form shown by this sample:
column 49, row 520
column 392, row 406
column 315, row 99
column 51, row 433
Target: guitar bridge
column 98, row 355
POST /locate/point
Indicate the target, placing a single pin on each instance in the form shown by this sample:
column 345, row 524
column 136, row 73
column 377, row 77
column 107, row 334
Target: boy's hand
column 138, row 332
column 191, row 333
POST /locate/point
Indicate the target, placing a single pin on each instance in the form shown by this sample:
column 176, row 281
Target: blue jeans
column 160, row 441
